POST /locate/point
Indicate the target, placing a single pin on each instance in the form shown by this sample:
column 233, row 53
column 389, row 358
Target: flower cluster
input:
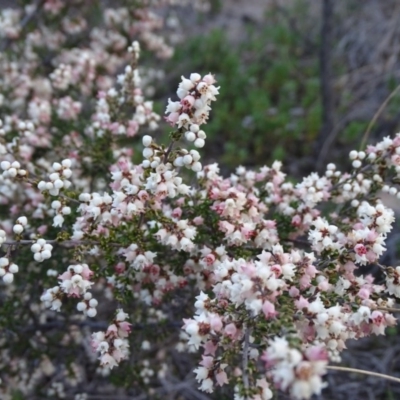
column 52, row 298
column 196, row 95
column 75, row 281
column 58, row 179
column 88, row 305
column 112, row 344
column 279, row 282
column 41, row 250
column 7, row 270
column 292, row 369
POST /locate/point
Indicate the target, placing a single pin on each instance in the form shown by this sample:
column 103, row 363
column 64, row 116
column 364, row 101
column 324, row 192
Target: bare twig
column 325, row 62
column 59, row 242
column 364, row 372
column 376, row 116
column 326, row 145
column 245, row 360
column 389, row 309
column 168, row 151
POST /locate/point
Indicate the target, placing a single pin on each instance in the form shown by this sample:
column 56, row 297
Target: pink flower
column 207, row 361
column 377, row 317
column 86, row 273
column 230, row 330
column 269, row 310
column 187, row 101
column 364, row 293
column 65, row 276
column 112, row 330
column 172, row 118
column 221, row 378
column 296, row 220
column 216, row 322
column 301, row 303
column 133, row 128
column 210, row 348
column 316, row 353
column 124, row 328
column 209, row 259
column 209, row 79
column 119, row 268
column 277, row 270
column 323, row 286
column 360, row 249
column 294, row 291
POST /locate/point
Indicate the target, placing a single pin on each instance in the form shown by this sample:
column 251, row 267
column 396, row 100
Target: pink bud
column 209, row 79
column 316, row 353
column 301, row 303
column 269, row 310
column 293, row 291
column 172, row 118
column 198, row 221
column 207, row 361
column 230, row 330
column 215, row 323
column 120, row 268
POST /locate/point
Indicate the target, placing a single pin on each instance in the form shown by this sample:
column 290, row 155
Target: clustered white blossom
column 52, row 298
column 58, row 179
column 41, row 250
column 7, row 270
column 12, row 170
column 61, row 211
column 88, row 305
column 20, row 225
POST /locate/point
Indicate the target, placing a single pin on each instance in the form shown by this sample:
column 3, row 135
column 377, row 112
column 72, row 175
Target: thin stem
column 60, row 242
column 69, row 198
column 168, row 152
column 389, row 309
column 362, row 371
column 376, row 116
column 350, row 178
column 245, row 360
column 325, row 73
column 297, row 241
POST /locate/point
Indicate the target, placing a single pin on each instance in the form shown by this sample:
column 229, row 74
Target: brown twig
column 389, row 309
column 376, row 116
column 364, row 372
column 245, row 361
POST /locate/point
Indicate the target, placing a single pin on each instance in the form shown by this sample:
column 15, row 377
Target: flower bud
column 8, row 278
column 146, row 140
column 17, row 228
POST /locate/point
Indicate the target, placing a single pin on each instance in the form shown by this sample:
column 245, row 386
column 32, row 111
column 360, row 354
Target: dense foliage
column 111, row 268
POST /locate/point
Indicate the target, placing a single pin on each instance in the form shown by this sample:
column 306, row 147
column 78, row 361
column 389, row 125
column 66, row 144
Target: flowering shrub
column 275, row 270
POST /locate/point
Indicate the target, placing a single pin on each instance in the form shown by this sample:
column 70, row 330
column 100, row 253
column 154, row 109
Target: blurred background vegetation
column 278, row 99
